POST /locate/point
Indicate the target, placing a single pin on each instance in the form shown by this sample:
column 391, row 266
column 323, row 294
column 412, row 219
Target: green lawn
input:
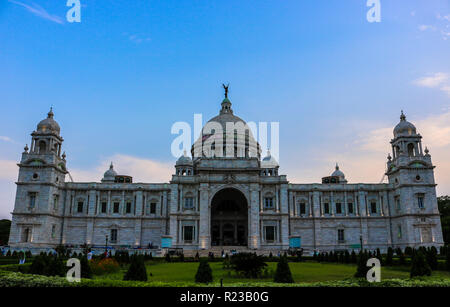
column 301, row 272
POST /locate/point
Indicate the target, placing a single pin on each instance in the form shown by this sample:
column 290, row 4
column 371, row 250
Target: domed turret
column 404, row 128
column 269, row 161
column 338, row 173
column 110, row 175
column 49, row 125
column 184, row 160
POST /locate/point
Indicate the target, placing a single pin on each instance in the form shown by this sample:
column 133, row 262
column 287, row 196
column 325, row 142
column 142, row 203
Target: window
column 268, row 203
column 397, row 203
column 338, row 208
column 326, row 208
column 341, row 235
column 420, row 201
column 113, row 235
column 80, row 207
column 55, row 202
column 189, row 203
column 373, row 207
column 152, row 208
column 302, row 208
column 116, row 207
column 350, row 208
column 53, row 231
column 399, row 231
column 128, row 207
column 188, row 233
column 104, row 204
column 32, row 200
column 269, row 233
column 26, row 235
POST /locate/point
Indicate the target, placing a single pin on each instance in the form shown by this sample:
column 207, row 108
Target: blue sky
column 119, row 80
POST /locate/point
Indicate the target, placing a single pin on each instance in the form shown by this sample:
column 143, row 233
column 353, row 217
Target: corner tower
column 38, row 205
column 416, row 220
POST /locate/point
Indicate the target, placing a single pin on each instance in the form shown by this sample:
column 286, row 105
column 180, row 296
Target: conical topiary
column 137, row 270
column 283, row 273
column 419, row 266
column 204, row 272
column 362, row 267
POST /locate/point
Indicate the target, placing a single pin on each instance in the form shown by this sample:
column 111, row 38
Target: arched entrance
column 229, row 218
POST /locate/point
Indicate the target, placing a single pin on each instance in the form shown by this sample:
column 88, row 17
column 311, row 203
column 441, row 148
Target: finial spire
column 50, row 113
column 402, row 116
column 226, row 89
column 111, row 166
column 337, row 166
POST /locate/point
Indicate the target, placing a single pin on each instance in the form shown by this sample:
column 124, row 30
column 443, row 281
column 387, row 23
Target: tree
column 204, row 272
column 283, row 273
column 181, row 257
column 378, row 256
column 347, row 257
column 353, row 258
column 85, row 268
column 444, row 210
column 408, row 251
column 38, row 266
column 137, row 270
column 389, row 257
column 168, row 257
column 431, row 257
column 5, row 226
column 447, row 260
column 55, row 267
column 249, row 264
column 362, row 267
column 419, row 266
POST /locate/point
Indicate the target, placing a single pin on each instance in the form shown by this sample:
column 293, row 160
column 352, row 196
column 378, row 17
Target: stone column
column 173, row 208
column 284, row 234
column 253, row 217
column 204, row 217
column 317, row 213
column 138, row 220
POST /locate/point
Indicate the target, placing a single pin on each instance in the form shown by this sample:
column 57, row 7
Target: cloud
column 142, row 170
column 39, row 11
column 433, row 80
column 426, row 27
column 137, row 39
column 6, row 139
column 439, row 80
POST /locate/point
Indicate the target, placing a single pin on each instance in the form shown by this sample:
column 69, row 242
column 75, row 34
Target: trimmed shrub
column 283, row 273
column 168, row 258
column 86, row 271
column 431, row 257
column 137, row 270
column 447, row 260
column 408, row 251
column 55, row 267
column 204, row 272
column 353, row 258
column 39, row 265
column 362, row 268
column 419, row 266
column 249, row 264
column 389, row 257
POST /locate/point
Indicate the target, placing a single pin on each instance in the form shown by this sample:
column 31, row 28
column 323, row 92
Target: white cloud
column 5, row 138
column 432, row 81
column 135, row 38
column 439, row 80
column 426, row 27
column 39, row 11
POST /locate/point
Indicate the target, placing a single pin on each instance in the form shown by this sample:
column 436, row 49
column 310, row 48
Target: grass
column 302, row 272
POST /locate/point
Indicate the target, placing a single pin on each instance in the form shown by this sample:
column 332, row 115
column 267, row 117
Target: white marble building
column 222, row 201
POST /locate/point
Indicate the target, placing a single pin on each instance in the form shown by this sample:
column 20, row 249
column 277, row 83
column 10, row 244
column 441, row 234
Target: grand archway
column 229, row 218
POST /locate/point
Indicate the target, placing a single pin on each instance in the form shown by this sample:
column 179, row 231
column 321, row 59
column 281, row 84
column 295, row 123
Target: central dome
column 243, row 146
column 49, row 125
column 404, row 127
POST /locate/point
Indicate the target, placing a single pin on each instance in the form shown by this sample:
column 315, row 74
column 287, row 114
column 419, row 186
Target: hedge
column 15, row 279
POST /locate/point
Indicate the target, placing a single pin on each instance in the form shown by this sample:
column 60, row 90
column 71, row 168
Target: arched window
column 42, row 147
column 411, row 149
